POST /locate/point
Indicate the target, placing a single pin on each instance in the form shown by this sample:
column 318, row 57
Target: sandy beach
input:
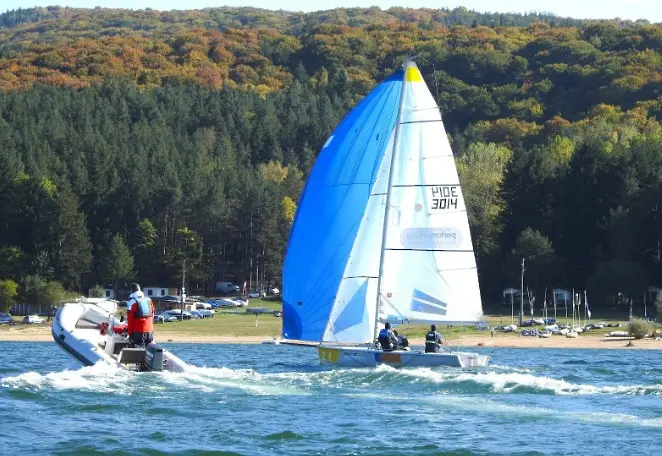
column 42, row 334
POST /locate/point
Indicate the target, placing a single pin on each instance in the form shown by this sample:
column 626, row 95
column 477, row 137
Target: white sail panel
column 353, row 314
column 421, row 287
column 429, row 265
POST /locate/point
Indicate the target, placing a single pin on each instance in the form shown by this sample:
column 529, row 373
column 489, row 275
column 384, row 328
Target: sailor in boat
column 387, row 339
column 403, row 342
column 140, row 317
column 433, row 340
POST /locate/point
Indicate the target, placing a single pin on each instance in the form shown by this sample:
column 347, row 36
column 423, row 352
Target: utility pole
column 521, row 311
column 512, row 308
column 183, row 286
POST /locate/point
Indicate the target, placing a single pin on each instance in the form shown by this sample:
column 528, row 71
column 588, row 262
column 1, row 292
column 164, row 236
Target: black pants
column 431, row 348
column 141, row 339
column 403, row 341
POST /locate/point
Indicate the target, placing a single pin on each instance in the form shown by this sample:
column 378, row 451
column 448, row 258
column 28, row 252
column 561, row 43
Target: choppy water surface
column 266, row 399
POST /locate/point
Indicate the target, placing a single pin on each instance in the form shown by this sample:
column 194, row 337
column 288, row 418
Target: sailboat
column 381, row 234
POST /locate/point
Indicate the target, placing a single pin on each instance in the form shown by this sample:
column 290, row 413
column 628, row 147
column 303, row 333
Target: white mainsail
column 429, row 272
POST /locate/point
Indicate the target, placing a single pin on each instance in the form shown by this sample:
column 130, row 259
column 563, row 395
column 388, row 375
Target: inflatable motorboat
column 89, row 331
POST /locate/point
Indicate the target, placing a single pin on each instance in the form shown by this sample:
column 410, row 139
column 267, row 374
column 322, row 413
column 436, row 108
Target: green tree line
column 133, row 141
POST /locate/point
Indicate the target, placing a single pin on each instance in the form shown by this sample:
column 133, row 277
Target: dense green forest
column 132, row 140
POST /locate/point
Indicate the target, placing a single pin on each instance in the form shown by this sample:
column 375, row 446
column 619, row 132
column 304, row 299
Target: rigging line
column 427, row 185
column 409, row 122
column 389, row 184
column 428, row 250
column 425, row 109
column 434, row 74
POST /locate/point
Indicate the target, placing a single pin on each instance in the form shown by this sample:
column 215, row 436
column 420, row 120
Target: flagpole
column 573, row 308
column 645, row 313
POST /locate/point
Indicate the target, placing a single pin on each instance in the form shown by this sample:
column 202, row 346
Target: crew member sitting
column 387, row 339
column 403, row 342
column 140, row 316
column 433, row 340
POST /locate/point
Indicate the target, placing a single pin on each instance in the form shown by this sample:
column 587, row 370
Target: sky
column 601, row 9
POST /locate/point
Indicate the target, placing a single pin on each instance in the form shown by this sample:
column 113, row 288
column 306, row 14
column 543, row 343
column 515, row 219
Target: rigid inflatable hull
column 75, row 329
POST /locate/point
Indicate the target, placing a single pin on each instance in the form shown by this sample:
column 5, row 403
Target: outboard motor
column 154, row 360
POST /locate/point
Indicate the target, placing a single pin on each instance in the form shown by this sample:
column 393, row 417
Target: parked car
column 159, row 318
column 30, row 319
column 274, row 291
column 206, row 313
column 5, row 318
column 228, row 303
column 195, row 314
column 178, row 314
column 227, row 287
column 166, row 317
column 256, row 294
column 240, row 302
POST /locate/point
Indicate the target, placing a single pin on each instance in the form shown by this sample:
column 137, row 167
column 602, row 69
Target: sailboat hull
column 370, row 357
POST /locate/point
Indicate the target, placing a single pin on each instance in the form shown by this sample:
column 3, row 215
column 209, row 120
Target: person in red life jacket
column 140, row 317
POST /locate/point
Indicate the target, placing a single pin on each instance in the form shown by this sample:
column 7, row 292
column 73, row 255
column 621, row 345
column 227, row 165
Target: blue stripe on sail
column 355, row 312
column 421, row 302
column 331, row 208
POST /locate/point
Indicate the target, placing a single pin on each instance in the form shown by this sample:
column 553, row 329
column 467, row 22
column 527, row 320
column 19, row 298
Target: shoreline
column 42, row 334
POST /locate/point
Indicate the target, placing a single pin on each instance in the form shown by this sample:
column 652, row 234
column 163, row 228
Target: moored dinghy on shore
column 381, row 234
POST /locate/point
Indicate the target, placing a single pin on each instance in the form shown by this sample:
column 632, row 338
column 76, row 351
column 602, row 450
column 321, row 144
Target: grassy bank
column 229, row 323
column 237, row 322
column 224, row 324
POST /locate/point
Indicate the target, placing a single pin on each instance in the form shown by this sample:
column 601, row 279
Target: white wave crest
column 210, row 379
column 508, row 382
column 101, row 377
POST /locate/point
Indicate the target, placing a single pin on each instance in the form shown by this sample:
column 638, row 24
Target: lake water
column 277, row 400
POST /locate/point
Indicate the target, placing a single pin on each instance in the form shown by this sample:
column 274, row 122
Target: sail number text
column 444, row 197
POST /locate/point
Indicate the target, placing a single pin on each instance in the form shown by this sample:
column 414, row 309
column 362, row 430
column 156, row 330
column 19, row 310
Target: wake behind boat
column 90, row 332
column 381, row 234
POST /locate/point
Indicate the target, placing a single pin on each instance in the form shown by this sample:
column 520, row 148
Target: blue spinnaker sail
column 331, row 209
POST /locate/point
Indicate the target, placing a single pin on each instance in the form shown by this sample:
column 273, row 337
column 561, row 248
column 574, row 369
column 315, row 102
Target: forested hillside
column 131, row 140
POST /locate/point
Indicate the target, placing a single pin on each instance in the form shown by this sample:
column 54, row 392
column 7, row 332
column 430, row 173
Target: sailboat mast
column 387, row 212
